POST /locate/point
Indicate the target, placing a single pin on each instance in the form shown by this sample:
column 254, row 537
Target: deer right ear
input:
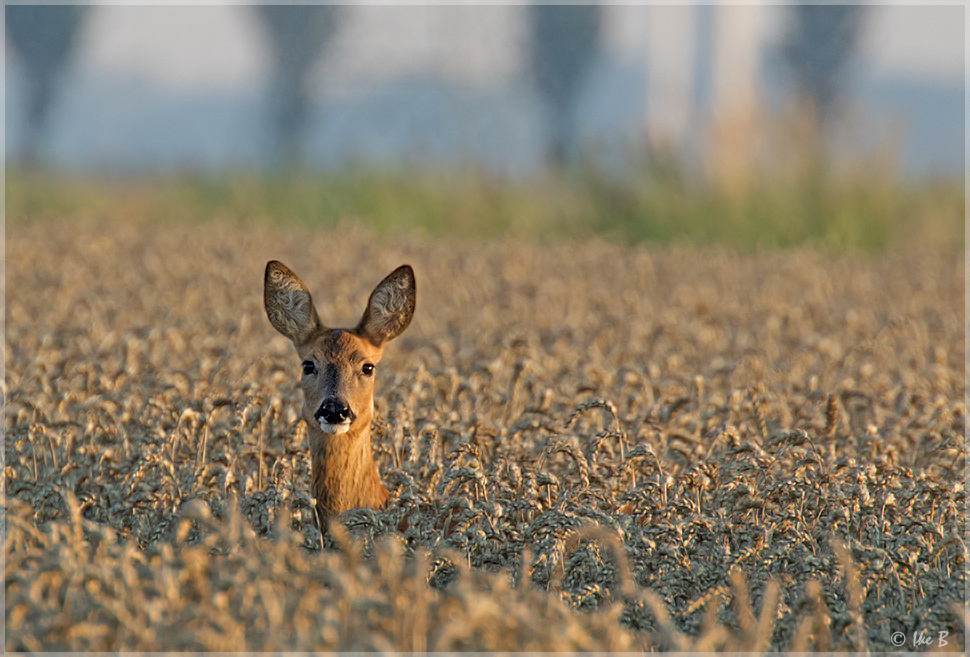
column 288, row 304
column 390, row 307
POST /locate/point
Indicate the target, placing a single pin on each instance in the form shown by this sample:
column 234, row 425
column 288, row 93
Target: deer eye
column 308, row 367
column 367, row 369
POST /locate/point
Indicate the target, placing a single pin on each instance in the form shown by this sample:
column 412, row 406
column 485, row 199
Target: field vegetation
column 794, row 206
column 589, row 445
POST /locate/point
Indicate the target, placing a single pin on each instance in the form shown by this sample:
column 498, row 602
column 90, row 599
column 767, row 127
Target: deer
column 338, row 373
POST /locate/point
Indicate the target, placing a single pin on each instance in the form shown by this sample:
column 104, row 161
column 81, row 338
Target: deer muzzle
column 334, row 416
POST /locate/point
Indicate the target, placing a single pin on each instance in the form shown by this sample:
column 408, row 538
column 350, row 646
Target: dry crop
column 594, row 448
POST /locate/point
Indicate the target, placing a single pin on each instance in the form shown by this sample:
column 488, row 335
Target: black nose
column 333, row 411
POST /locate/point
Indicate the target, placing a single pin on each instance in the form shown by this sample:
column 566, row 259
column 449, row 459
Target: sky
column 201, row 46
column 196, row 76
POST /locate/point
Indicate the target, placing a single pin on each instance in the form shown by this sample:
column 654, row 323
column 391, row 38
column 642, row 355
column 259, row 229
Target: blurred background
column 649, row 104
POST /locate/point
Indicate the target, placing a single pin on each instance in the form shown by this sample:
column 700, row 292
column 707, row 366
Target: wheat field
column 594, row 447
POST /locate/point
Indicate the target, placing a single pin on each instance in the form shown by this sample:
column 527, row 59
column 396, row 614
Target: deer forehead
column 340, row 346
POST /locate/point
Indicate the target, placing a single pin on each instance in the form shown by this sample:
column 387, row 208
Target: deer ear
column 390, row 307
column 288, row 303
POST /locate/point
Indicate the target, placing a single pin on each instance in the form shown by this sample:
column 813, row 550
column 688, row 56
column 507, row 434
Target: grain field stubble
column 595, row 448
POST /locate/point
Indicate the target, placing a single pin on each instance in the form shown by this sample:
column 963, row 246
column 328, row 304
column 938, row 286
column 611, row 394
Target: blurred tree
column 564, row 41
column 819, row 46
column 298, row 34
column 43, row 36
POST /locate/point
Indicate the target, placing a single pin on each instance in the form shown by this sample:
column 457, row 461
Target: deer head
column 337, row 377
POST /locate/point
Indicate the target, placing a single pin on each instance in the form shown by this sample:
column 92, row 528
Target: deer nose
column 333, row 411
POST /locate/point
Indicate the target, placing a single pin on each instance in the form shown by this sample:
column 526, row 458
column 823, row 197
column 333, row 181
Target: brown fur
column 344, row 473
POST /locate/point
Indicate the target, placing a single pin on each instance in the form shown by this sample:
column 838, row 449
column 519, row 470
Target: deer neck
column 344, row 473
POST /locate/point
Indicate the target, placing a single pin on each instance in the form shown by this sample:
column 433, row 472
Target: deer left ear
column 390, row 307
column 288, row 303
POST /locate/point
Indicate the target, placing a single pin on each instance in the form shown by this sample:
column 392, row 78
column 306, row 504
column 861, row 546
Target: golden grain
column 588, row 448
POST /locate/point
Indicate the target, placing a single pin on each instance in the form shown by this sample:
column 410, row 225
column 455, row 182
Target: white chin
column 334, row 429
